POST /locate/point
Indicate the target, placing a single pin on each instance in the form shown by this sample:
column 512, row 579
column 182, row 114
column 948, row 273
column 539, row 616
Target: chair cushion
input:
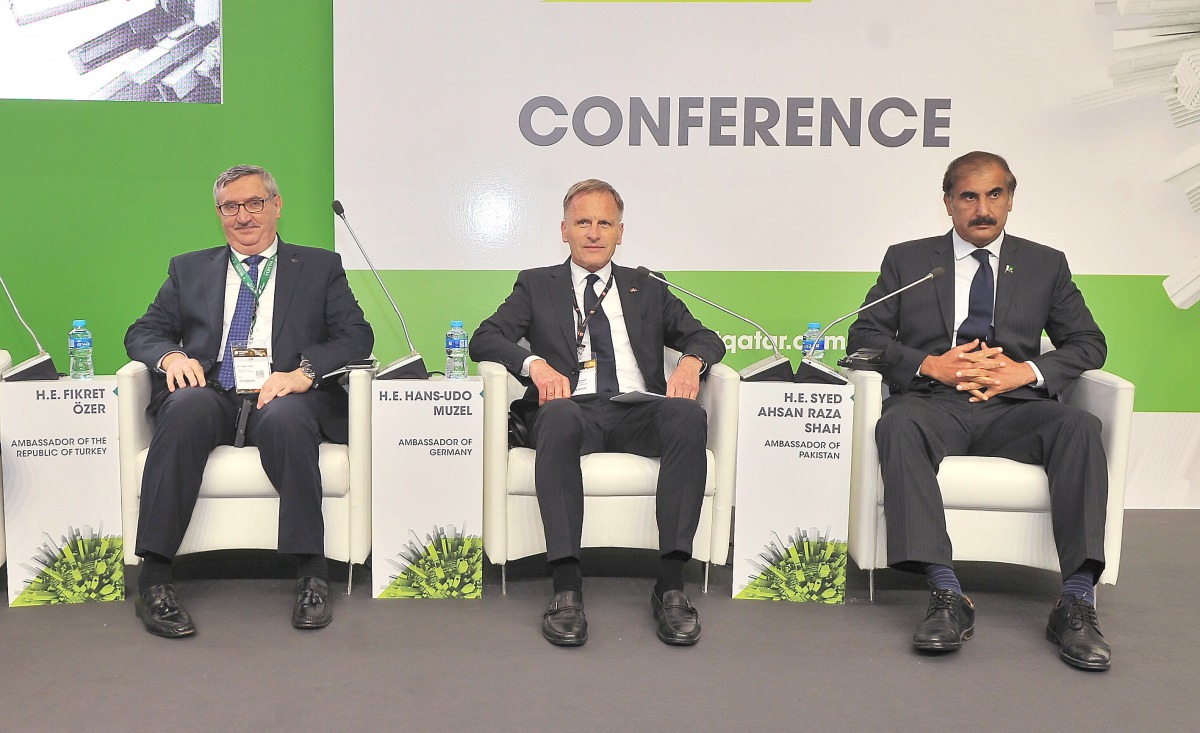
column 237, row 473
column 604, row 474
column 980, row 482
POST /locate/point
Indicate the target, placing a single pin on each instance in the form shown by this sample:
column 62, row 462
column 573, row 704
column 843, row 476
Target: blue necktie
column 239, row 328
column 980, row 303
column 602, row 344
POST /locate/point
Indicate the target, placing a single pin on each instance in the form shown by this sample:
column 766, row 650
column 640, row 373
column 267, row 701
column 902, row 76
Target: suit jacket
column 315, row 313
column 1034, row 292
column 540, row 310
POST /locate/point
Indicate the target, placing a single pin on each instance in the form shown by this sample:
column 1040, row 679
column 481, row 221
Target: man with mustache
column 967, row 377
column 295, row 305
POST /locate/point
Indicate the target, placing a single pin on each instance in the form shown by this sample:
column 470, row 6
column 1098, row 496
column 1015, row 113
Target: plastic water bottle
column 456, row 351
column 811, row 335
column 79, row 343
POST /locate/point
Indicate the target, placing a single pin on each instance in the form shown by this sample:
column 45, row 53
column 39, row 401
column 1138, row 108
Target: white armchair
column 5, row 363
column 238, row 507
column 619, row 488
column 997, row 510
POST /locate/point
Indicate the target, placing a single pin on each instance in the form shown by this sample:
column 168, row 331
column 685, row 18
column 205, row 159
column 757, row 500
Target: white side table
column 427, row 500
column 62, row 491
column 793, row 492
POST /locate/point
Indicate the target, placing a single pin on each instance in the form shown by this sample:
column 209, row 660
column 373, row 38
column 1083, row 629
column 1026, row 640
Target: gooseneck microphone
column 35, row 368
column 774, row 368
column 931, row 275
column 411, row 366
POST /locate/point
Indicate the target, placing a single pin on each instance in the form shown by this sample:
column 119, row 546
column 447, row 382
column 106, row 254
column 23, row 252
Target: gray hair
column 592, row 185
column 241, row 171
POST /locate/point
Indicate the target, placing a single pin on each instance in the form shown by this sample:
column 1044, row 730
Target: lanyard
column 256, row 289
column 581, row 321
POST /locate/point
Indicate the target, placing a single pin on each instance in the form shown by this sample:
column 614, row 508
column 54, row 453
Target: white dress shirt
column 629, row 377
column 965, row 267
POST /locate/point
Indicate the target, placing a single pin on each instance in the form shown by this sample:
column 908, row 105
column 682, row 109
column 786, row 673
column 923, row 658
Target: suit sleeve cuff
column 528, row 360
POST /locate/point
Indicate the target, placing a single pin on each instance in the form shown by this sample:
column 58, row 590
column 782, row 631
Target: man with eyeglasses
column 237, row 340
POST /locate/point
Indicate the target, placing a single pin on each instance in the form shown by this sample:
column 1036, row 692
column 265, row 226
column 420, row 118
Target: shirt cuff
column 528, row 360
column 1041, row 381
column 158, row 366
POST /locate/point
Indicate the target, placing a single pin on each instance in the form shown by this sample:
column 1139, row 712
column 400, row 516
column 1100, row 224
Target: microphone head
column 338, row 209
column 937, row 272
column 643, row 271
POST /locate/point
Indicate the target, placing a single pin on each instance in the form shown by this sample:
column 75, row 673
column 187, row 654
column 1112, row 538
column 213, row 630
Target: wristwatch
column 306, row 368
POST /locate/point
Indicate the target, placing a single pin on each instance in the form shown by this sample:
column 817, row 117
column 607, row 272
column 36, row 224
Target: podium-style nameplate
column 427, row 488
column 62, row 491
column 793, row 492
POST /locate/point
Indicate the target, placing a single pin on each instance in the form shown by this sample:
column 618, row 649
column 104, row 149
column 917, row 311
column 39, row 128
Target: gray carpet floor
column 408, row 665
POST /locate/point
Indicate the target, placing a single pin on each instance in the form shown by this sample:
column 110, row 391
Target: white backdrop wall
column 459, row 124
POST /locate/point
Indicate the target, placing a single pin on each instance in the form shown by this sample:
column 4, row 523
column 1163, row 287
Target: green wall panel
column 99, row 195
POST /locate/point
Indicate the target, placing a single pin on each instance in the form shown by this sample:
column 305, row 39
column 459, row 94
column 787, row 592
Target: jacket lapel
column 289, row 263
column 562, row 300
column 1006, row 280
column 213, row 299
column 943, row 256
column 628, row 284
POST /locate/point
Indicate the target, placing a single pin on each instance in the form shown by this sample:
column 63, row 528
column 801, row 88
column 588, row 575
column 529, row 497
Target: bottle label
column 456, row 343
column 80, row 343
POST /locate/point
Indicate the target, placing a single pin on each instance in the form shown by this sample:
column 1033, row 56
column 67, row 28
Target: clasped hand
column 984, row 373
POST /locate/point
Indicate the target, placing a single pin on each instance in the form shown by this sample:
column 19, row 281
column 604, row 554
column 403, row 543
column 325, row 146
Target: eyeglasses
column 253, row 206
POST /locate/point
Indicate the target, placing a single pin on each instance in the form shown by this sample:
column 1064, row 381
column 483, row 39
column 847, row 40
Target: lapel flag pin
column 633, row 290
column 1008, row 268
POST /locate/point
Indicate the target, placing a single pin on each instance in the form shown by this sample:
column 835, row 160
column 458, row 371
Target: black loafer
column 563, row 623
column 949, row 622
column 678, row 620
column 312, row 610
column 1074, row 628
column 162, row 613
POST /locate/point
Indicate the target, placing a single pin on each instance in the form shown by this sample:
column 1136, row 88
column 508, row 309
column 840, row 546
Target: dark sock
column 942, row 578
column 1082, row 585
column 156, row 570
column 567, row 575
column 312, row 566
column 670, row 572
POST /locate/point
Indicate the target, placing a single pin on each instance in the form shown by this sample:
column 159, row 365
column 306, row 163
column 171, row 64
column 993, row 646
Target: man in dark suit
column 596, row 329
column 299, row 308
column 967, row 377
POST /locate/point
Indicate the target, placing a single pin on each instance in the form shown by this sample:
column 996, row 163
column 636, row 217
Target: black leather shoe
column 1074, row 628
column 160, row 610
column 678, row 620
column 563, row 623
column 312, row 610
column 949, row 622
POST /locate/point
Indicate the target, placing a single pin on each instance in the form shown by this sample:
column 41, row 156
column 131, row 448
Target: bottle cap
column 455, row 324
column 78, row 323
column 815, row 325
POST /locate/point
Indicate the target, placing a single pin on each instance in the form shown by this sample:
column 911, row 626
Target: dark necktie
column 980, row 303
column 602, row 345
column 239, row 328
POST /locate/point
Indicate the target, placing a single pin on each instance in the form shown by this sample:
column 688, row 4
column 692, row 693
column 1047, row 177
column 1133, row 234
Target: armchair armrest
column 864, row 465
column 135, row 429
column 1109, row 398
column 720, row 395
column 495, row 460
column 359, row 448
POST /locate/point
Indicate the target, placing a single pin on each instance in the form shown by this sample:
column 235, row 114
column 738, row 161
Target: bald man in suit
column 967, row 377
